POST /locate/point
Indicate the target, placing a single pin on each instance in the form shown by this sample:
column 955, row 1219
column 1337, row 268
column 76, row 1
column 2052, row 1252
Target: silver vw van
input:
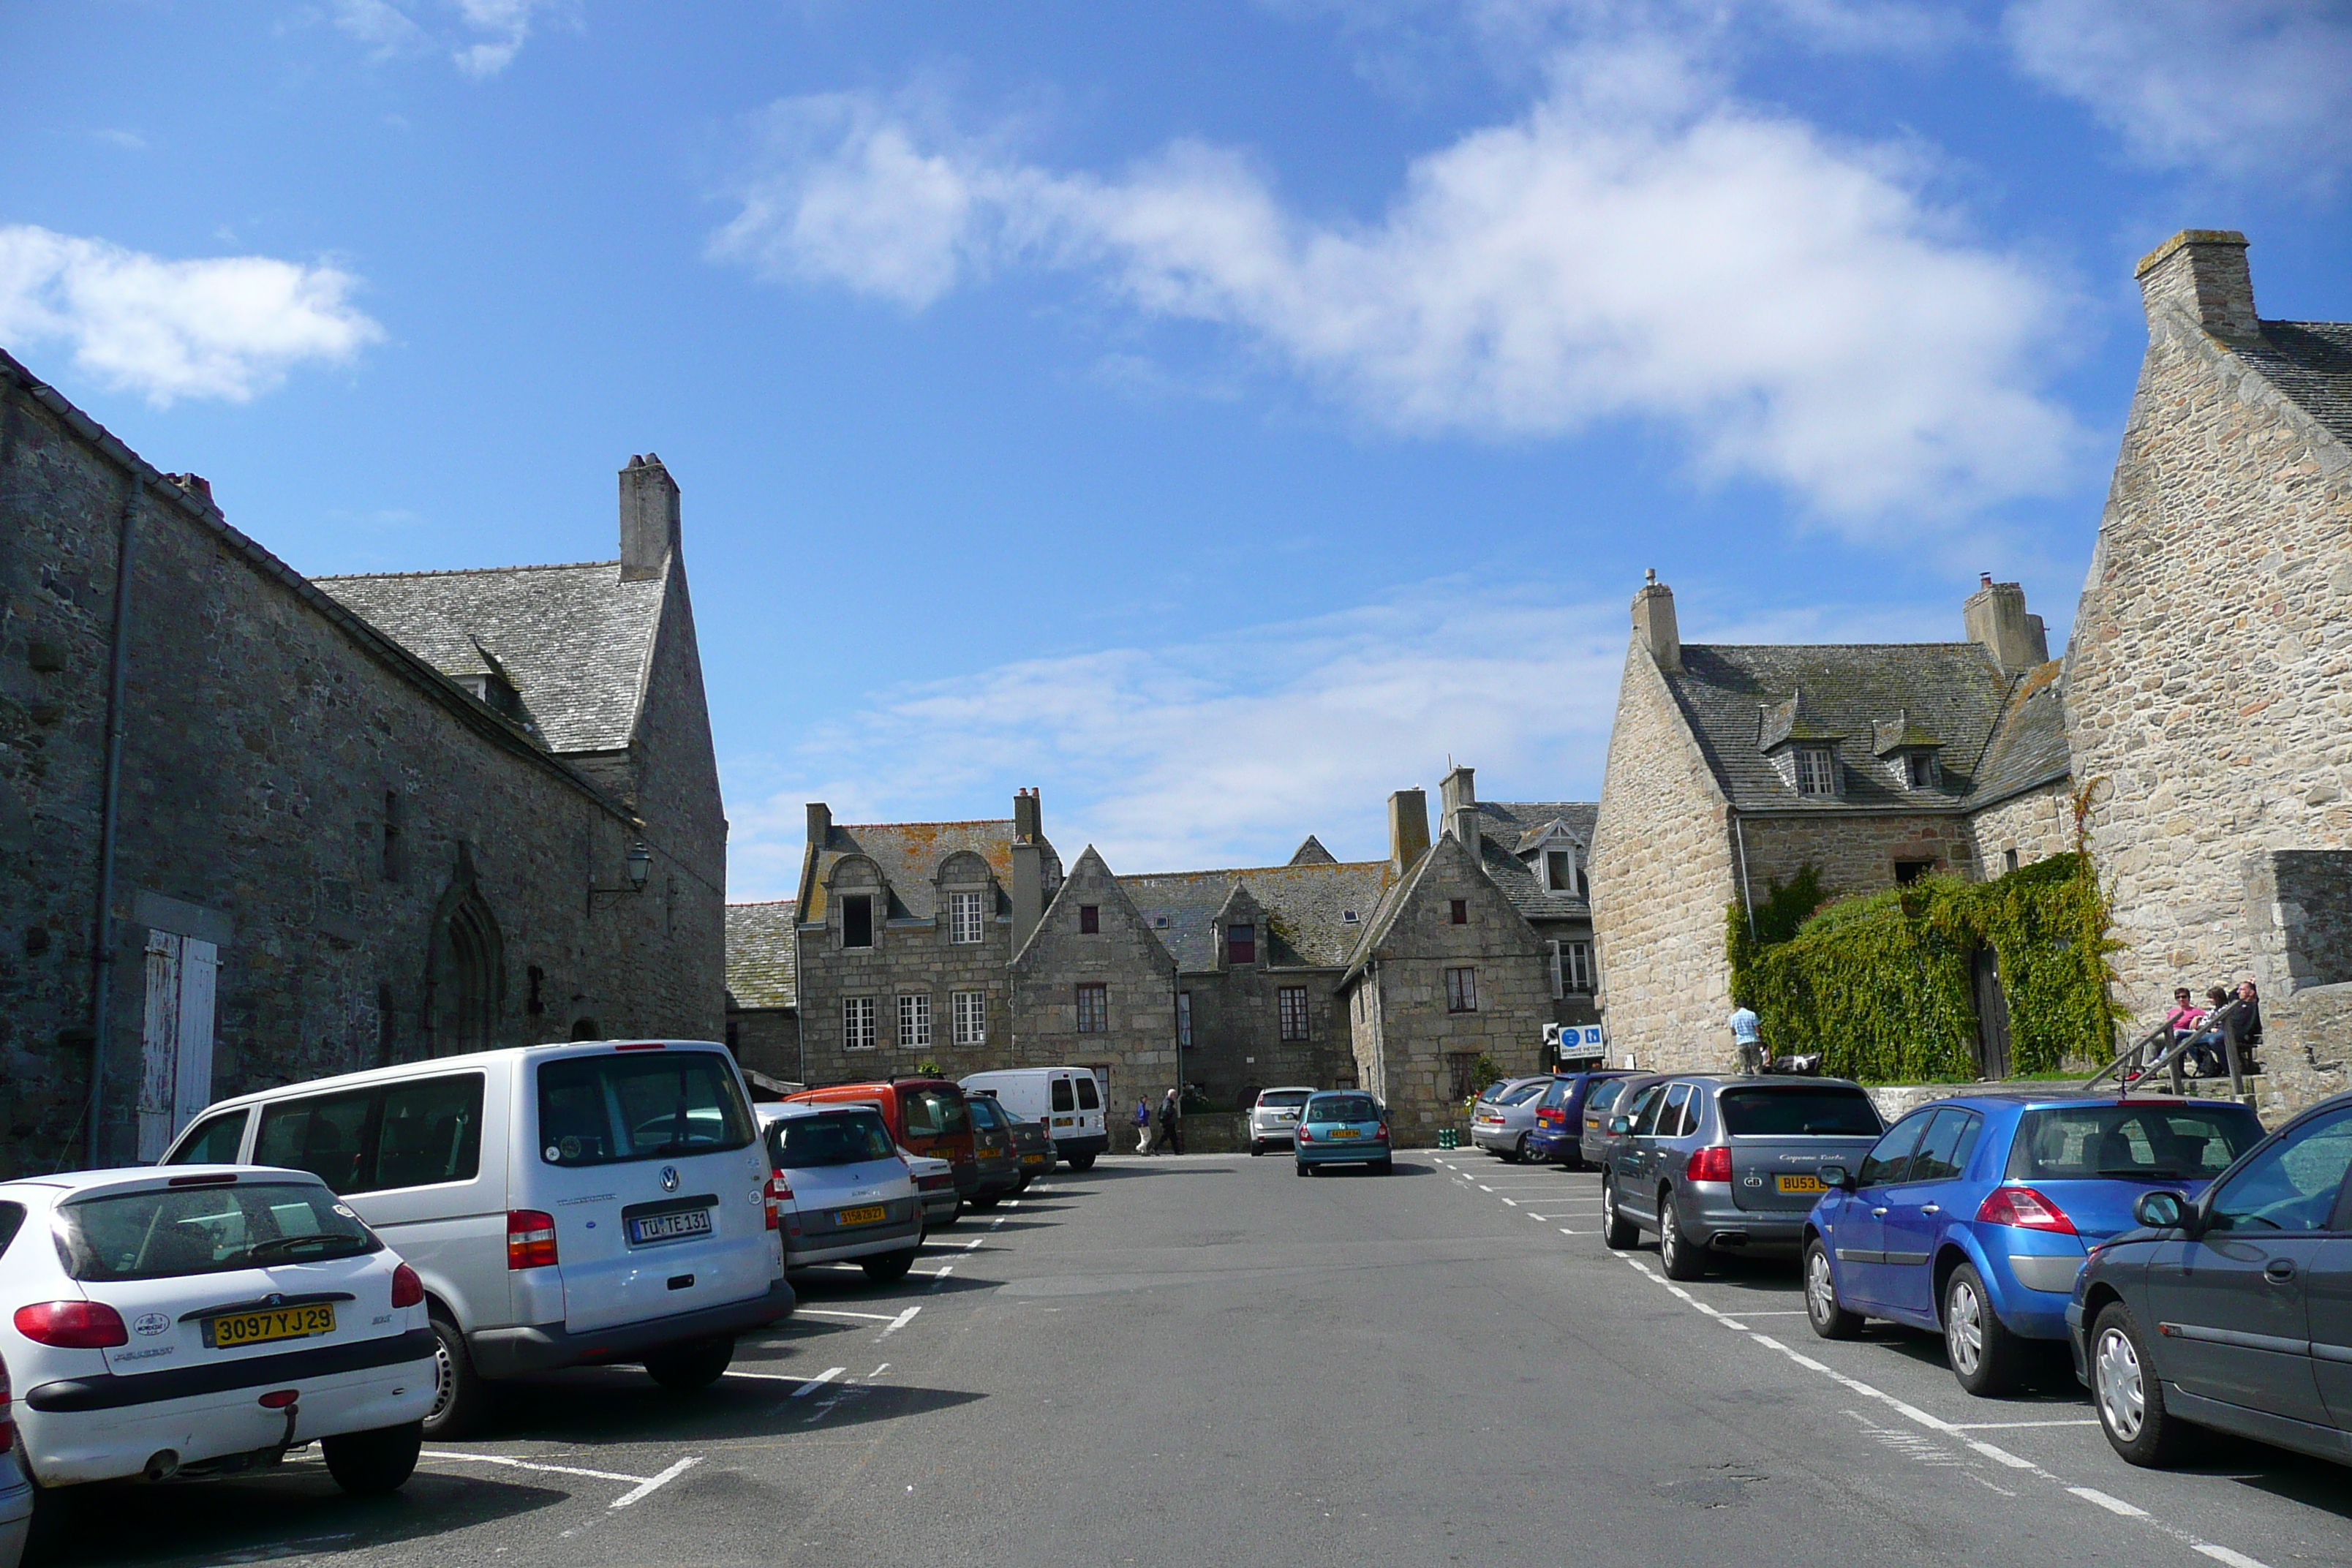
column 566, row 1205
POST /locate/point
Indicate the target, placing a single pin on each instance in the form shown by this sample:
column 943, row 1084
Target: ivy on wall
column 1883, row 985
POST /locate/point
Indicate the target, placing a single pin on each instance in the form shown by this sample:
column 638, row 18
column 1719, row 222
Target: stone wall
column 1417, row 1037
column 1662, row 874
column 1237, row 1042
column 2206, row 687
column 294, row 788
column 2034, row 825
column 1137, row 1047
column 1854, row 853
column 2297, row 909
column 768, row 1040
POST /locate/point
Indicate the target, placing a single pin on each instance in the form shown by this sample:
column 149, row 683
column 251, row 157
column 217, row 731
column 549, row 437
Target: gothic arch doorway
column 465, row 971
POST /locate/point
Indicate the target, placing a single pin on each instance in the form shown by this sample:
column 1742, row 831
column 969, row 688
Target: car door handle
column 1878, row 1214
column 2279, row 1270
column 1931, row 1209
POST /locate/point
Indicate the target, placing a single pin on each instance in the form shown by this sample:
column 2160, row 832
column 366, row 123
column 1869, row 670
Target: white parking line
column 839, row 1312
column 653, row 1484
column 532, row 1465
column 2112, row 1504
column 1513, row 1201
column 940, row 1276
column 2004, row 1425
column 819, row 1380
column 974, row 1243
column 900, row 1322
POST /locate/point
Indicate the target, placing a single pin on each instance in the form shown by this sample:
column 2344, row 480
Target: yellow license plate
column 1802, row 1184
column 866, row 1215
column 1345, row 1132
column 237, row 1328
column 1033, row 1159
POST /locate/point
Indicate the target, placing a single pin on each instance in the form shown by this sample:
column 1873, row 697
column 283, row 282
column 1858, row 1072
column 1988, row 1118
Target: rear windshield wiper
column 281, row 1244
column 2141, row 1173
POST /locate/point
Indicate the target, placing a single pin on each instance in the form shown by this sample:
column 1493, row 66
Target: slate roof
column 1305, row 907
column 762, row 963
column 2000, row 731
column 1508, row 829
column 574, row 640
column 2310, row 362
column 909, row 854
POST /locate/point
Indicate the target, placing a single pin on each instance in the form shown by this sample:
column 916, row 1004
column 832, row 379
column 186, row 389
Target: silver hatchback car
column 1506, row 1114
column 1274, row 1120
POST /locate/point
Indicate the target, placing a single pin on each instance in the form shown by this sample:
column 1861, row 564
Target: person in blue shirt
column 1747, row 1033
column 1143, row 1127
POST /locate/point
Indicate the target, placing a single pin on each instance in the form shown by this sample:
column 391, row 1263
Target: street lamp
column 640, row 864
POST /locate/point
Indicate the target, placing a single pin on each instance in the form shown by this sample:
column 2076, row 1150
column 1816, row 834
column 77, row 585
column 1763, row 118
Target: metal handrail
column 2225, row 1018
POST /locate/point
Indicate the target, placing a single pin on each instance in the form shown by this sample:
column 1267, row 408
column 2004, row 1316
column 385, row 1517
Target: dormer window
column 1240, row 944
column 494, row 692
column 1921, row 770
column 1816, row 771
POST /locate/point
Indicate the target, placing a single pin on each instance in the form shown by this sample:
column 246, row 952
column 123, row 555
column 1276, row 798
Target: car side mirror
column 2161, row 1211
column 1619, row 1125
column 1836, row 1176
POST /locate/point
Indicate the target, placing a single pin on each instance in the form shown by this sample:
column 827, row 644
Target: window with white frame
column 969, row 1012
column 1560, row 871
column 1558, row 981
column 1815, row 775
column 964, row 916
column 914, row 1020
column 1462, row 990
column 857, row 1023
column 1576, row 967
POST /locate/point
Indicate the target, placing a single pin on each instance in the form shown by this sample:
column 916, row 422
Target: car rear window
column 1605, row 1093
column 1283, row 1099
column 175, row 1231
column 1341, row 1108
column 611, row 1108
column 984, row 1111
column 1063, row 1092
column 12, row 1220
column 934, row 1113
column 1525, row 1092
column 831, row 1137
column 1818, row 1111
column 1087, row 1099
column 2149, row 1142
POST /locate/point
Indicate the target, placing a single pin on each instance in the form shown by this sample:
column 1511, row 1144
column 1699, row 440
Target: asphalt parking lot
column 1159, row 1360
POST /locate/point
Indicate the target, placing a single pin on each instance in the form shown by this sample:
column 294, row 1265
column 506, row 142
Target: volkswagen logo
column 669, row 1178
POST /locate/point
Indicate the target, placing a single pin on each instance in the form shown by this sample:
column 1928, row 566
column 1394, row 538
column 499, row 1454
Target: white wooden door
column 175, row 1039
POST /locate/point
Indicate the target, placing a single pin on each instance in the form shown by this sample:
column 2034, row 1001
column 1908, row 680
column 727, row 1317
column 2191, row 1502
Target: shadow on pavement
column 295, row 1511
column 603, row 1406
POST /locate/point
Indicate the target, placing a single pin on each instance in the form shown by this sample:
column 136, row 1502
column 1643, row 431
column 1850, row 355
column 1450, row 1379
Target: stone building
column 2207, row 691
column 259, row 829
column 1093, row 986
column 1540, row 854
column 1731, row 767
column 763, row 1007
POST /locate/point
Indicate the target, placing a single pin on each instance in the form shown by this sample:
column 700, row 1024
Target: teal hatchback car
column 1344, row 1127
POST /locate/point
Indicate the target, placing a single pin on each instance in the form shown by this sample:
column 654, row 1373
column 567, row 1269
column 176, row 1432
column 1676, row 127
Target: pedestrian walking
column 1171, row 1134
column 1143, row 1127
column 1747, row 1033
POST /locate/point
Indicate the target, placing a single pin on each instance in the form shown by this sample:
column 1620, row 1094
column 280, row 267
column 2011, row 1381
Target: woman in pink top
column 2184, row 1015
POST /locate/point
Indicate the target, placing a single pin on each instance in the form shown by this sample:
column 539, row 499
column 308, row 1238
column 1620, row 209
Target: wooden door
column 1992, row 1016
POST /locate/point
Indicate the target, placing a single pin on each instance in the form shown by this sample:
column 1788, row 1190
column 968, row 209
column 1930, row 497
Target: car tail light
column 1712, row 1163
column 279, row 1398
column 408, row 1289
column 1381, row 1136
column 2024, row 1208
column 1304, row 1136
column 531, row 1239
column 779, row 1192
column 641, row 1046
column 72, row 1325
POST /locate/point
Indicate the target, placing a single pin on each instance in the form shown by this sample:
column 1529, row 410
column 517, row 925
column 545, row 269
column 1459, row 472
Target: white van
column 1068, row 1100
column 566, row 1205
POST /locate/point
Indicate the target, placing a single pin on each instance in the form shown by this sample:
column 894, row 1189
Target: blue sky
column 1218, row 415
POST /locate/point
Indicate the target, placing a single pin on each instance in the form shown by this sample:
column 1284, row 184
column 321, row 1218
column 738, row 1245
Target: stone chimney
column 1997, row 620
column 1407, row 827
column 1653, row 624
column 2202, row 271
column 648, row 519
column 1458, row 799
column 1028, row 887
column 820, row 824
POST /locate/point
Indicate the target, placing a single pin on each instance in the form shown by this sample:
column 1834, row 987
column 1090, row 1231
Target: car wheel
column 1681, row 1258
column 1302, row 1167
column 989, row 1202
column 1985, row 1356
column 457, row 1392
column 1830, row 1319
column 1082, row 1162
column 2128, row 1394
column 945, row 1224
column 369, row 1464
column 1256, row 1148
column 697, row 1364
column 1618, row 1232
column 1383, row 1167
column 888, row 1267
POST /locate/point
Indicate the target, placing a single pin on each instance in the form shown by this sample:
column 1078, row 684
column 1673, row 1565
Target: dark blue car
column 1973, row 1215
column 1558, row 1130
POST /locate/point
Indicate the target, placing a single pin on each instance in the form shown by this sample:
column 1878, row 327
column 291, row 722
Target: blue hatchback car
column 1344, row 1127
column 1558, row 1129
column 1972, row 1216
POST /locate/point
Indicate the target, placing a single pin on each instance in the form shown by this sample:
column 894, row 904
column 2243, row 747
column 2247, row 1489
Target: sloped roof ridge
column 465, row 571
column 1816, row 647
column 967, row 821
column 758, row 904
column 1254, row 870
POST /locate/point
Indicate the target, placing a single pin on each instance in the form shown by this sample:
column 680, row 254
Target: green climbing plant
column 1883, row 985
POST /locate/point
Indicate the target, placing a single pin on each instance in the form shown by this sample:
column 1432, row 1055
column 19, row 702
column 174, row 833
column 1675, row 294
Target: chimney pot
column 1985, row 578
column 1655, row 626
column 1996, row 618
column 1407, row 827
column 649, row 518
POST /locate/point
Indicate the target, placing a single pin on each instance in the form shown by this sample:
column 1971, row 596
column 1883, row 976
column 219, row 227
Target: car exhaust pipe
column 1731, row 1239
column 161, row 1465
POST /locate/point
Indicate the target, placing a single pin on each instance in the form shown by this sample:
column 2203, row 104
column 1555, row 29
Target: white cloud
column 227, row 326
column 1637, row 245
column 1229, row 750
column 2251, row 87
column 494, row 31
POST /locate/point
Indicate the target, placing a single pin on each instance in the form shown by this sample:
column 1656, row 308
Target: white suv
column 566, row 1205
column 1274, row 1120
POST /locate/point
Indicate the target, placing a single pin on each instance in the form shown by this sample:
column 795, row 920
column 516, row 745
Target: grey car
column 2234, row 1311
column 1727, row 1164
column 1504, row 1114
column 1592, row 1138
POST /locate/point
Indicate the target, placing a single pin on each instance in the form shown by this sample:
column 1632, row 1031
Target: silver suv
column 1731, row 1164
column 1274, row 1120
